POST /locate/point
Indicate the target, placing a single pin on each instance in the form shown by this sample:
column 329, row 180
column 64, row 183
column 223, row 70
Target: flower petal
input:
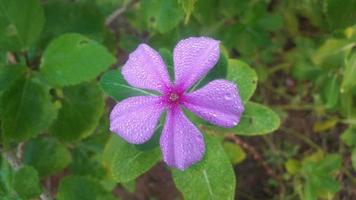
column 181, row 142
column 135, row 118
column 193, row 58
column 218, row 102
column 145, row 69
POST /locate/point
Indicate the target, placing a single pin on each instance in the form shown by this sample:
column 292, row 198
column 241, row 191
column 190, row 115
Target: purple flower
column 135, row 118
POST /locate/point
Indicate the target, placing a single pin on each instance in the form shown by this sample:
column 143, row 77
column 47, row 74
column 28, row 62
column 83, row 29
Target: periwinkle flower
column 135, row 118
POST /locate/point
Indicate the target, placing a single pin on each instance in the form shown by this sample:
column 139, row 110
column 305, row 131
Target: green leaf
column 167, row 57
column 47, row 155
column 329, row 164
column 82, row 107
column 234, row 152
column 188, row 7
column 257, row 119
column 9, row 75
column 162, row 15
column 349, row 136
column 331, row 91
column 126, row 162
column 244, row 76
column 331, row 54
column 340, row 15
column 77, row 187
column 205, row 179
column 72, row 58
column 218, row 72
column 26, row 109
column 21, row 23
column 114, row 85
column 63, row 16
column 348, row 80
column 27, row 183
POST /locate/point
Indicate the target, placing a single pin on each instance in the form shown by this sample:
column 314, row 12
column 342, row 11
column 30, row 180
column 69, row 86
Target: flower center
column 173, row 97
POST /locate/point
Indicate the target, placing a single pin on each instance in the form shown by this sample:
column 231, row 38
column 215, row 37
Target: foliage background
column 57, row 86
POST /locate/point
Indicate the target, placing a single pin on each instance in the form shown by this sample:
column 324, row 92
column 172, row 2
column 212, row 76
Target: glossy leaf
column 126, row 162
column 72, row 58
column 78, row 187
column 257, row 120
column 27, row 183
column 82, row 107
column 244, row 76
column 20, row 30
column 26, row 109
column 115, row 86
column 46, row 155
column 203, row 180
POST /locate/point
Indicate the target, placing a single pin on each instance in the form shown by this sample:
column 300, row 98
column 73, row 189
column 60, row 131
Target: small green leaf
column 257, row 120
column 162, row 15
column 9, row 75
column 72, row 58
column 330, row 163
column 78, row 187
column 27, row 183
column 47, row 155
column 348, row 80
column 114, row 85
column 82, row 107
column 126, row 162
column 331, row 91
column 349, row 136
column 211, row 178
column 234, row 152
column 244, row 76
column 292, row 166
column 21, row 23
column 26, row 109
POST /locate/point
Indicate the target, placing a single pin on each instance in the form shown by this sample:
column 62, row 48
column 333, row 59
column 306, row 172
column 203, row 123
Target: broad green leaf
column 82, row 107
column 349, row 80
column 21, row 23
column 63, row 16
column 9, row 75
column 46, row 155
column 330, row 163
column 234, row 152
column 27, row 183
column 349, row 136
column 162, row 15
column 257, row 120
column 126, row 162
column 72, row 58
column 114, row 85
column 26, row 109
column 340, row 15
column 78, row 187
column 211, row 178
column 244, row 77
